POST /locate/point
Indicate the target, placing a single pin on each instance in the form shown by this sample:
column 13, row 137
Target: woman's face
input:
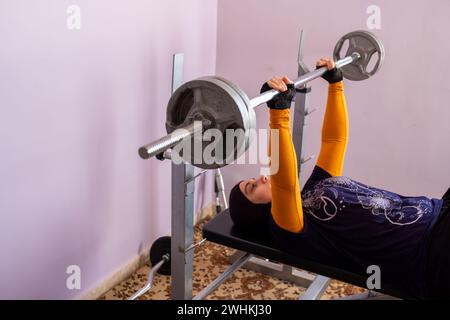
column 258, row 190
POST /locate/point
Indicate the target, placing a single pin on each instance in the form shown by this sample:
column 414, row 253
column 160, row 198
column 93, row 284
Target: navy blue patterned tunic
column 350, row 225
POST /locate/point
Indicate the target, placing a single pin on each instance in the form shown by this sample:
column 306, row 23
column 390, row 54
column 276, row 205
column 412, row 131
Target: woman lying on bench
column 339, row 221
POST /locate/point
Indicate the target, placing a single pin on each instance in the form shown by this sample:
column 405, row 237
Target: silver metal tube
column 182, row 231
column 268, row 95
column 151, row 276
column 196, row 176
column 316, row 288
column 221, row 189
column 368, row 295
column 218, row 281
column 168, row 141
column 182, row 218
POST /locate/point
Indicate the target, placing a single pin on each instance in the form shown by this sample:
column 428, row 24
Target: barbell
column 219, row 104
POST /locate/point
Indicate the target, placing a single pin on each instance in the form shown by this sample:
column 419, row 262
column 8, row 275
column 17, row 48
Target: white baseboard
column 207, row 212
column 138, row 261
column 117, row 277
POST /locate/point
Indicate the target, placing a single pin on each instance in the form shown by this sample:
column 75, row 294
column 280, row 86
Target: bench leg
column 276, row 270
column 368, row 295
column 316, row 288
column 218, row 281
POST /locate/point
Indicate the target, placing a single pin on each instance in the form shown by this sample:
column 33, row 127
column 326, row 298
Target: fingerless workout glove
column 283, row 99
column 333, row 75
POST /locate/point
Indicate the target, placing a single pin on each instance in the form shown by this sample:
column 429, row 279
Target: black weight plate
column 159, row 248
column 218, row 102
column 366, row 44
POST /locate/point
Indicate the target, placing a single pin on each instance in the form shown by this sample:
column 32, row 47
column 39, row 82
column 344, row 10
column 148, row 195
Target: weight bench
column 220, row 230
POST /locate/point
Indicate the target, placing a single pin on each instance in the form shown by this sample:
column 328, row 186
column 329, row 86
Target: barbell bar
column 268, row 95
column 156, row 147
column 172, row 139
column 218, row 103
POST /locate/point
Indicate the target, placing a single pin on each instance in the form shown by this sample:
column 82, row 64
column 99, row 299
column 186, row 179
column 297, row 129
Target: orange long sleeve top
column 287, row 209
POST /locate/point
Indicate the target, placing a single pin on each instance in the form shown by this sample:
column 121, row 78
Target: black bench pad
column 220, row 230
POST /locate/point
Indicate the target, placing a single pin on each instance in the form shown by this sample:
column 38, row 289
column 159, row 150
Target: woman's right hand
column 326, row 62
column 333, row 74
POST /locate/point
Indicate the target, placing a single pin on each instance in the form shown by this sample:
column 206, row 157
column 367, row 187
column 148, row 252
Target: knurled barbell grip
column 268, row 95
column 168, row 141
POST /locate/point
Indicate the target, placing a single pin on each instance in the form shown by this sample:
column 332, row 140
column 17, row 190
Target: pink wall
column 75, row 107
column 399, row 119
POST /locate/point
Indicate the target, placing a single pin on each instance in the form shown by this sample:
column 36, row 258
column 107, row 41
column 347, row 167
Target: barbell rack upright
column 182, row 224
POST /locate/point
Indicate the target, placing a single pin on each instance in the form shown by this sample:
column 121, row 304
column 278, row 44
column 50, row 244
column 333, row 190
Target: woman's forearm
column 286, row 200
column 334, row 131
